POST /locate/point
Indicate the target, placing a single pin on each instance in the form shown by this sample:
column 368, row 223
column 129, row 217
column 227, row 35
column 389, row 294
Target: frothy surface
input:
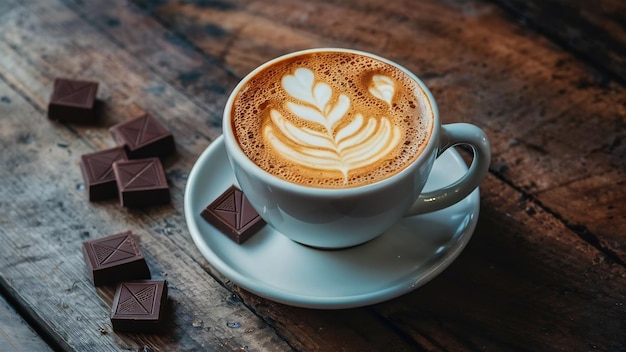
column 332, row 119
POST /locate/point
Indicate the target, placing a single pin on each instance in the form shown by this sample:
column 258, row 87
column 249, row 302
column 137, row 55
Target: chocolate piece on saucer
column 139, row 306
column 141, row 182
column 97, row 170
column 114, row 258
column 232, row 214
column 144, row 137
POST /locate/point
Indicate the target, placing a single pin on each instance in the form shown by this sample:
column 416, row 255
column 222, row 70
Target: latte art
column 357, row 144
column 331, row 119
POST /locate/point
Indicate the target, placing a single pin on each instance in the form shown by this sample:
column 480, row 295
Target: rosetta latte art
column 331, row 119
column 361, row 142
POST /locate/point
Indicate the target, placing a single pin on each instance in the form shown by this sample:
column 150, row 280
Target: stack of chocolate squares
column 132, row 171
column 139, row 303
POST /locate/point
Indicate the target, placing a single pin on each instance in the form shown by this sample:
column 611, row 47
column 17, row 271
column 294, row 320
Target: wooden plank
column 15, row 333
column 483, row 69
column 594, row 30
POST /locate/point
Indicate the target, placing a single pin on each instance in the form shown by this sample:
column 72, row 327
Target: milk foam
column 332, row 119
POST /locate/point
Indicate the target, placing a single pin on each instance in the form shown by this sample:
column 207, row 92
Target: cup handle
column 451, row 135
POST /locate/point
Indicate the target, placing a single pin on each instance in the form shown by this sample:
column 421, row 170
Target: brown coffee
column 332, row 119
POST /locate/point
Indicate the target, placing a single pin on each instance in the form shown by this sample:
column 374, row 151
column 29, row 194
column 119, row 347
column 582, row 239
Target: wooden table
column 544, row 270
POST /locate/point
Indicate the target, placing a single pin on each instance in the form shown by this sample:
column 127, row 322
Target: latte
column 331, row 119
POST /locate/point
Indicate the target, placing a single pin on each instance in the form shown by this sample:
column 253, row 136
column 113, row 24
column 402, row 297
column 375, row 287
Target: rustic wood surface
column 545, row 269
column 594, row 30
column 15, row 333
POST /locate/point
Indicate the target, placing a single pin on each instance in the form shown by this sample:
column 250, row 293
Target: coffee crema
column 331, row 119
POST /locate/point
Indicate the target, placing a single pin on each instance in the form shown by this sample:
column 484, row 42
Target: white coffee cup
column 344, row 217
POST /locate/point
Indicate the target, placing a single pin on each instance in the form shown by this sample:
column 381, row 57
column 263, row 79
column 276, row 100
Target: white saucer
column 270, row 265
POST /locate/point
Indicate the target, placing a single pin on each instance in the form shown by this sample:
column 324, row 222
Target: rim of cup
column 235, row 151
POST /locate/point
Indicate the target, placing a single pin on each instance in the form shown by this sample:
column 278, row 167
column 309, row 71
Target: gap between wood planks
column 22, row 308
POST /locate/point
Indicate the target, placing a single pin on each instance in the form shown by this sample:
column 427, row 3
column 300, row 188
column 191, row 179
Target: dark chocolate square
column 73, row 101
column 97, row 170
column 144, row 137
column 139, row 306
column 141, row 182
column 232, row 214
column 114, row 258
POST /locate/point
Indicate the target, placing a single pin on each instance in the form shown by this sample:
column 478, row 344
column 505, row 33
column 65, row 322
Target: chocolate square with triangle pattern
column 73, row 101
column 115, row 258
column 139, row 306
column 233, row 214
column 98, row 175
column 144, row 137
column 141, row 182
